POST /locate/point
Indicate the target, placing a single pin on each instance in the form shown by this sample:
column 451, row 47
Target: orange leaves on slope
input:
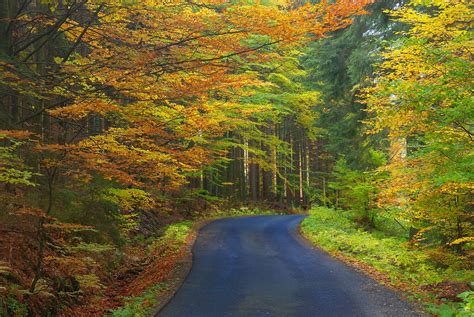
column 15, row 134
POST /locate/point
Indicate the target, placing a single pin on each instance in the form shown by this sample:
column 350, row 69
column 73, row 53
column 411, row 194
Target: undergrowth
column 406, row 267
column 140, row 306
column 241, row 211
column 166, row 246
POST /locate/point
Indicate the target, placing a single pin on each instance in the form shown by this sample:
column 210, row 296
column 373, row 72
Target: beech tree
column 422, row 97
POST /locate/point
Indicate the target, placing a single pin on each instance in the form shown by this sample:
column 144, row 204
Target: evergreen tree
column 339, row 66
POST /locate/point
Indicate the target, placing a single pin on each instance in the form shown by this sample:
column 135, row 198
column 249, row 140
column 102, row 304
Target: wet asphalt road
column 259, row 266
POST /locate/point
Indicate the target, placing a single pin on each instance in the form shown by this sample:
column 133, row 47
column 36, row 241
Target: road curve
column 259, row 266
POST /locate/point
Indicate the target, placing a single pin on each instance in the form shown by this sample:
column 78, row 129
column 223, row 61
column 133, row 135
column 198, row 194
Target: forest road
column 259, row 266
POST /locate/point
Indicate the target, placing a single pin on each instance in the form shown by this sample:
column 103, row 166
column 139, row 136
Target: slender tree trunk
column 253, row 177
column 6, row 15
column 41, row 233
column 324, row 192
column 244, row 171
column 267, row 175
column 290, row 173
column 7, row 9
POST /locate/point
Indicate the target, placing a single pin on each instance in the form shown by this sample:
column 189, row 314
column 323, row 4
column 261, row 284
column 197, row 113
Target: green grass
column 140, row 306
column 174, row 237
column 336, row 232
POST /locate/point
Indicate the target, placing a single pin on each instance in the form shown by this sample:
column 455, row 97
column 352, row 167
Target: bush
column 139, row 306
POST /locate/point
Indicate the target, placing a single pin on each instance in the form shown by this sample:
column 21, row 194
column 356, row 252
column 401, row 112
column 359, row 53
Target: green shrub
column 242, row 211
column 173, row 238
column 455, row 309
column 140, row 306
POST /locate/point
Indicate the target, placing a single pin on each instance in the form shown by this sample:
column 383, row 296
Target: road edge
column 181, row 269
column 184, row 265
column 365, row 269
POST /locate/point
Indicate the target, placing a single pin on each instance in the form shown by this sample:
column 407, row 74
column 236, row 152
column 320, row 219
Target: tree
column 339, row 66
column 422, row 95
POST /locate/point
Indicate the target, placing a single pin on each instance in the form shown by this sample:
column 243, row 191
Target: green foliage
column 12, row 169
column 173, row 238
column 13, row 307
column 202, row 194
column 422, row 97
column 86, row 206
column 338, row 66
column 128, row 199
column 91, row 247
column 337, row 232
column 357, row 190
column 465, row 308
column 14, row 176
column 130, row 202
column 141, row 305
column 241, row 211
column 178, row 232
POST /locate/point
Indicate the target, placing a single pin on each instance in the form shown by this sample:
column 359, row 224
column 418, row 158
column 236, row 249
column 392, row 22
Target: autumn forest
column 124, row 124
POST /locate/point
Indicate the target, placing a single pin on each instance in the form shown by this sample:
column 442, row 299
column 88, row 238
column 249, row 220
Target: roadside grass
column 241, row 211
column 395, row 263
column 141, row 305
